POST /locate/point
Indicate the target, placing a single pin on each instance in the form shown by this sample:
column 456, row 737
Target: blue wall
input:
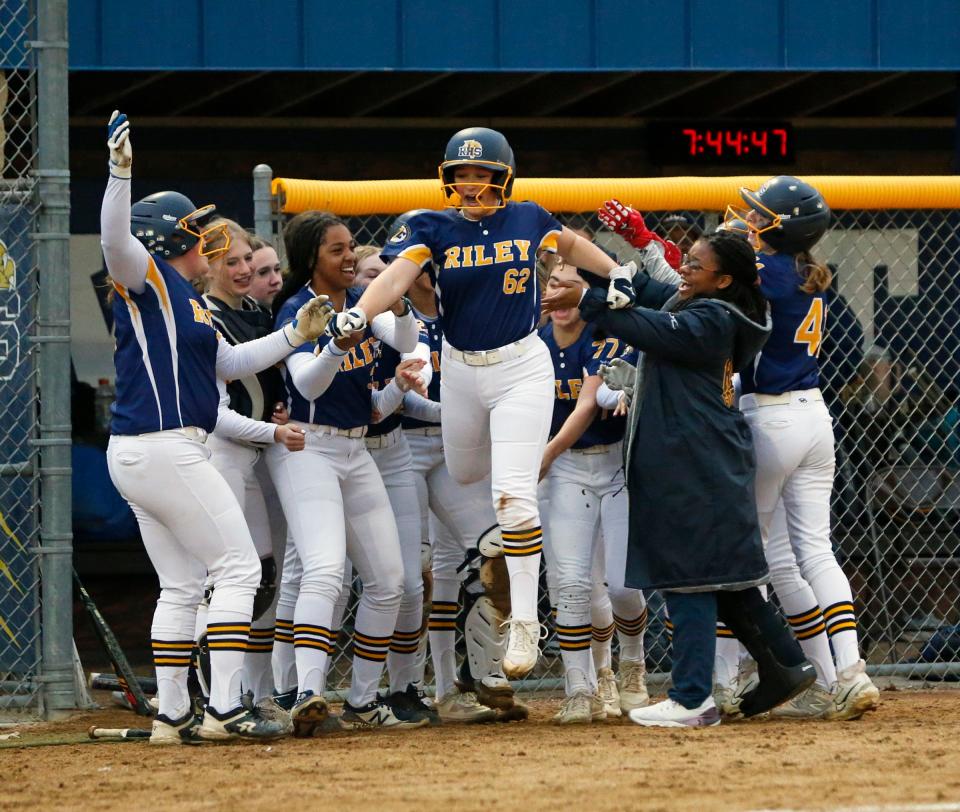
column 515, row 35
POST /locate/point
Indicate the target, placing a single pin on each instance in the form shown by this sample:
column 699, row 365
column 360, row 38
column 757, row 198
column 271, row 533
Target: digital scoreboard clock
column 728, row 142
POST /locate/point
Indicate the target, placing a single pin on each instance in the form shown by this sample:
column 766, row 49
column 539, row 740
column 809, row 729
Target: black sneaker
column 376, row 715
column 287, row 699
column 240, row 723
column 410, row 704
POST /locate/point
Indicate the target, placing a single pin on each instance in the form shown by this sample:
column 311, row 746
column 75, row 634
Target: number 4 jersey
column 788, row 361
column 484, row 272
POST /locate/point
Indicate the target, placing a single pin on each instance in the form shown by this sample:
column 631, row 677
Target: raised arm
column 127, row 260
column 380, row 294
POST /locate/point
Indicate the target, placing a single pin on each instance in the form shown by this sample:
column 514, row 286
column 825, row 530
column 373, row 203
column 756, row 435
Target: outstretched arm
column 380, row 294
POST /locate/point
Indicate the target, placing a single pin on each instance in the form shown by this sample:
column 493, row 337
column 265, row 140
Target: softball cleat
column 672, row 714
column 854, row 694
column 581, row 708
column 308, row 715
column 522, row 648
column 609, row 693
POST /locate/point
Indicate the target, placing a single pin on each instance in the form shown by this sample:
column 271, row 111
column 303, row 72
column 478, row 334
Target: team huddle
column 502, row 390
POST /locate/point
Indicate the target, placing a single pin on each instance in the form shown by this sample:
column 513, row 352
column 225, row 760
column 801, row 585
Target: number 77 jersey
column 484, row 272
column 788, row 361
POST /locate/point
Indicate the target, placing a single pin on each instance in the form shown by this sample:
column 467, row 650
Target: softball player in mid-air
column 585, row 490
column 332, row 494
column 793, row 435
column 168, row 358
column 497, row 383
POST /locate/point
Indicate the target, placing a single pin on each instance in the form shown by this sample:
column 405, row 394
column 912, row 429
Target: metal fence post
column 263, row 202
column 53, row 337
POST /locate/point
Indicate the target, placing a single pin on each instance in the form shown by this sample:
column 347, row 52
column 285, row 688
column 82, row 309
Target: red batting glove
column 625, row 221
column 629, row 224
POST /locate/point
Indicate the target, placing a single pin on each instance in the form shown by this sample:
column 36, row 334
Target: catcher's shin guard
column 782, row 669
column 486, row 608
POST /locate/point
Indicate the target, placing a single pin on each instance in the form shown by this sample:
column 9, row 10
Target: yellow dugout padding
column 868, row 192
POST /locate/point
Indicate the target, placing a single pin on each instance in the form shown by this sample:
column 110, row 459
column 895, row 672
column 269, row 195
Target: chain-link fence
column 891, row 378
column 20, row 651
column 35, row 635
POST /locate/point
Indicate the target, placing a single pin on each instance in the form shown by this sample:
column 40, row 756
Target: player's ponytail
column 738, row 260
column 302, row 238
column 816, row 276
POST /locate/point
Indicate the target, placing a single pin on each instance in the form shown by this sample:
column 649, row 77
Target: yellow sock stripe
column 317, row 644
column 406, row 636
column 445, row 608
column 262, row 634
column 176, row 662
column 837, row 609
column 376, row 642
column 813, row 631
column 521, row 535
column 283, row 624
column 803, row 617
column 373, row 656
column 518, row 552
column 576, row 645
column 283, row 637
column 441, row 625
column 181, row 644
column 603, row 633
column 841, row 626
column 404, row 648
column 322, row 631
column 228, row 628
column 724, row 633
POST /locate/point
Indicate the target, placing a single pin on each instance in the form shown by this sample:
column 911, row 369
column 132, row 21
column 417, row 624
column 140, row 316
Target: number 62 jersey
column 484, row 271
column 788, row 361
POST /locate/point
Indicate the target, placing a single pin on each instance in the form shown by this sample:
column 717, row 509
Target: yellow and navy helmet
column 169, row 225
column 797, row 213
column 480, row 146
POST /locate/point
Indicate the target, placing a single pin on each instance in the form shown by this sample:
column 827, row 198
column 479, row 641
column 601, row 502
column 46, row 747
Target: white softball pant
column 794, row 443
column 336, row 504
column 393, row 460
column 191, row 524
column 587, row 497
column 243, row 469
column 496, row 419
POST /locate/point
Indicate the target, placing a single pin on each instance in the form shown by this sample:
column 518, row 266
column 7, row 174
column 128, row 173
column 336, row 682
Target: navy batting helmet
column 480, row 146
column 400, row 228
column 798, row 214
column 169, row 225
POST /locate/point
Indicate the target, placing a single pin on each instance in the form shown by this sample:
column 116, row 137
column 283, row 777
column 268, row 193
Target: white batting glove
column 620, row 376
column 118, row 141
column 347, row 323
column 621, row 294
column 310, row 322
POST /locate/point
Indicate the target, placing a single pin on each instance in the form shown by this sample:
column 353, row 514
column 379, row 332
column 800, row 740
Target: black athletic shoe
column 411, row 702
column 287, row 699
column 777, row 685
column 376, row 715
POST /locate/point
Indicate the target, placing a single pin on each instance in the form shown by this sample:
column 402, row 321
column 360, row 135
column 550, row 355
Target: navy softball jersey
column 788, row 361
column 484, row 271
column 573, row 364
column 346, row 403
column 432, row 336
column 166, row 356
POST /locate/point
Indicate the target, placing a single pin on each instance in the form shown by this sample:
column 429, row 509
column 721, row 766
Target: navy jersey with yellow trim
column 788, row 361
column 432, row 335
column 571, row 366
column 346, row 403
column 485, row 271
column 384, row 371
column 165, row 357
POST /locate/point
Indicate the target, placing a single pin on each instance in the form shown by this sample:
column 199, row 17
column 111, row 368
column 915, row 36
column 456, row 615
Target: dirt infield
column 908, row 752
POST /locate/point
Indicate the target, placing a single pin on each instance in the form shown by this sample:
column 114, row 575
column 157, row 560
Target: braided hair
column 737, row 259
column 302, row 238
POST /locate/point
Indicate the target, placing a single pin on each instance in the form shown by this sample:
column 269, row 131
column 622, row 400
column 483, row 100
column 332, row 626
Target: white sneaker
column 633, row 687
column 580, row 709
column 522, row 648
column 814, row 703
column 672, row 714
column 724, row 697
column 463, row 707
column 239, row 723
column 374, row 715
column 609, row 693
column 854, row 693
column 185, row 730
